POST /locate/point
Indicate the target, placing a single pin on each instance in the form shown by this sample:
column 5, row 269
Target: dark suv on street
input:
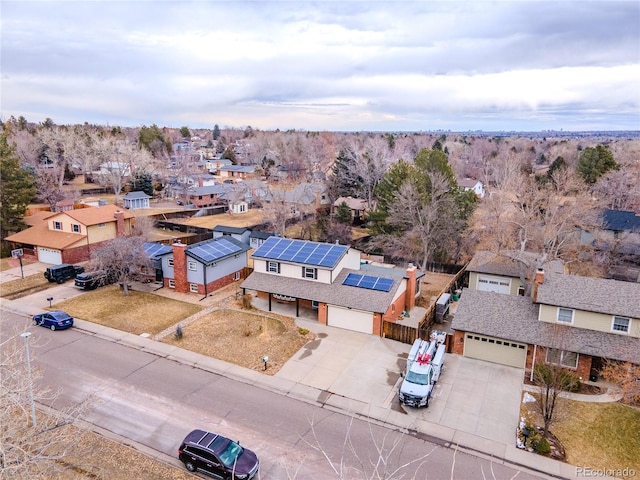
column 217, row 456
column 63, row 272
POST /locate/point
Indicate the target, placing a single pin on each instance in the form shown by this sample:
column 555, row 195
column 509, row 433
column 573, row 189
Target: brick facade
column 410, row 293
column 180, row 267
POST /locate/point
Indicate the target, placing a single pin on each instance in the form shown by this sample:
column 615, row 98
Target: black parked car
column 63, row 272
column 217, row 456
column 93, row 280
column 56, row 320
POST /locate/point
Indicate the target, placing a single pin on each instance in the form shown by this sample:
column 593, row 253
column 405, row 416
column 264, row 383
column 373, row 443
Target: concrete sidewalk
column 358, row 374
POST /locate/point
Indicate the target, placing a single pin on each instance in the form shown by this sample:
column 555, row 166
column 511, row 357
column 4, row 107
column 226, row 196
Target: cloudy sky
column 328, row 65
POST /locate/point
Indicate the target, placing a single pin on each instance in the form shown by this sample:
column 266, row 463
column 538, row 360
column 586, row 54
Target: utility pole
column 26, row 336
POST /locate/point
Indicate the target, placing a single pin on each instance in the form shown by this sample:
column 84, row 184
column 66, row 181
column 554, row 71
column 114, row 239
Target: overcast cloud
column 332, row 65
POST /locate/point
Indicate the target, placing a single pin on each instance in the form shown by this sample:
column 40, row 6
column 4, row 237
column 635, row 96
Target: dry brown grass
column 595, row 435
column 243, row 338
column 137, row 313
column 248, row 219
column 28, row 284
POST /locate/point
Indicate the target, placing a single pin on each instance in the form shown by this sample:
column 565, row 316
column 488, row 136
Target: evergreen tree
column 216, row 132
column 142, row 181
column 595, row 162
column 184, row 131
column 343, row 214
column 17, row 189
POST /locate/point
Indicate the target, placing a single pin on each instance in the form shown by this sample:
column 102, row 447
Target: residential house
column 134, row 200
column 214, row 164
column 569, row 320
column 239, row 233
column 154, row 252
column 331, row 280
column 256, row 239
column 201, row 197
column 237, row 172
column 507, row 272
column 358, row 207
column 70, row 236
column 204, row 267
column 469, row 184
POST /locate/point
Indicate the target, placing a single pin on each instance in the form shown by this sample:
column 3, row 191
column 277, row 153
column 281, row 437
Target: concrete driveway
column 472, row 396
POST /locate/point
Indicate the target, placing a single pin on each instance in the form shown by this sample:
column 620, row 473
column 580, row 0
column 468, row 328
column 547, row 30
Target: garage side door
column 355, row 320
column 49, row 255
column 495, row 350
column 488, row 283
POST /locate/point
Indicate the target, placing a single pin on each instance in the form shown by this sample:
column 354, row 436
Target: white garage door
column 49, row 255
column 494, row 284
column 495, row 350
column 356, row 320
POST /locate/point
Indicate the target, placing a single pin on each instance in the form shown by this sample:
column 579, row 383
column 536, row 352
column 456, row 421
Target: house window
column 565, row 315
column 172, row 283
column 273, row 267
column 193, row 287
column 192, row 266
column 560, row 357
column 57, row 225
column 75, row 228
column 243, row 208
column 314, row 304
column 311, row 273
column 101, row 225
column 521, row 291
column 621, row 324
column 170, row 262
column 236, row 276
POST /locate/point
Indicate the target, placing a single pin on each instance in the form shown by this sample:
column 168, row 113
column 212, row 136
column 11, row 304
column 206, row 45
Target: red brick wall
column 410, row 293
column 377, row 324
column 394, row 310
column 458, row 342
column 76, row 255
column 322, row 313
column 584, row 363
column 180, row 267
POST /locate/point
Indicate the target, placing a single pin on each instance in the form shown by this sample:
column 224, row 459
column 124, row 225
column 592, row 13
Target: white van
column 438, row 362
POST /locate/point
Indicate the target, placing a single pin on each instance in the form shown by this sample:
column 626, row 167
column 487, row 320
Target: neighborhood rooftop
column 302, row 252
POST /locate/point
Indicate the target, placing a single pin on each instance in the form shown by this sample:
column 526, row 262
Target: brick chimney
column 119, row 216
column 410, row 294
column 537, row 280
column 180, row 267
column 200, row 181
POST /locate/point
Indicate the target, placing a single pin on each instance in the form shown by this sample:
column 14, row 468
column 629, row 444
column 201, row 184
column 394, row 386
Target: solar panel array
column 212, row 251
column 300, row 251
column 154, row 249
column 367, row 281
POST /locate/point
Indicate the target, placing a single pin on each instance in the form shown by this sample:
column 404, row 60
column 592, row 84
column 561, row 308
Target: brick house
column 71, row 235
column 203, row 267
column 569, row 320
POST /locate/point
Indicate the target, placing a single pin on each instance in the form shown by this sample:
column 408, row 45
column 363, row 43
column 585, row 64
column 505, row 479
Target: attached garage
column 496, row 350
column 350, row 319
column 490, row 283
column 49, row 255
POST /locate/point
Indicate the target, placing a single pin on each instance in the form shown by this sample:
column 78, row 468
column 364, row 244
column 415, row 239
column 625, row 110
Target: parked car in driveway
column 217, row 456
column 93, row 280
column 63, row 272
column 56, row 320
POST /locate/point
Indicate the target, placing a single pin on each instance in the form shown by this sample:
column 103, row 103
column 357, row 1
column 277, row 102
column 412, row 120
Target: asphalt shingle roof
column 505, row 263
column 332, row 294
column 516, row 318
column 591, row 294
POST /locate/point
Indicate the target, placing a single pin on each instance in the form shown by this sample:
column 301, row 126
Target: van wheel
column 428, row 400
column 60, row 280
column 190, row 466
column 53, row 329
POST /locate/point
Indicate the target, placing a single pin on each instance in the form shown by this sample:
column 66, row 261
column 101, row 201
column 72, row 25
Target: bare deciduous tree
column 122, row 257
column 27, row 450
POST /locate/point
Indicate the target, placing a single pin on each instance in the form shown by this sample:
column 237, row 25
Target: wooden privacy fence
column 408, row 334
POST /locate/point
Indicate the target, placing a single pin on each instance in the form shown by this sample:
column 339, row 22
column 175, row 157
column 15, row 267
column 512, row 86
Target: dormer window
column 75, row 228
column 57, row 225
column 308, row 272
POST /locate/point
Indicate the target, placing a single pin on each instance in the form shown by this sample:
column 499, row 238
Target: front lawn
column 601, row 435
column 595, row 435
column 24, row 286
column 137, row 313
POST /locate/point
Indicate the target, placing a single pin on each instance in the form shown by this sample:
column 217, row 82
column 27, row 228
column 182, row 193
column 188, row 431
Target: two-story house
column 70, row 236
column 203, row 267
column 569, row 320
column 331, row 280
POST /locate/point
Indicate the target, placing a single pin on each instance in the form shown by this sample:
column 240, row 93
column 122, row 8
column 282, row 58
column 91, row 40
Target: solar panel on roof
column 370, row 283
column 212, row 251
column 298, row 251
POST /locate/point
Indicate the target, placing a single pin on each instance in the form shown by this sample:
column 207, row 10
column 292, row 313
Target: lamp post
column 26, row 336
